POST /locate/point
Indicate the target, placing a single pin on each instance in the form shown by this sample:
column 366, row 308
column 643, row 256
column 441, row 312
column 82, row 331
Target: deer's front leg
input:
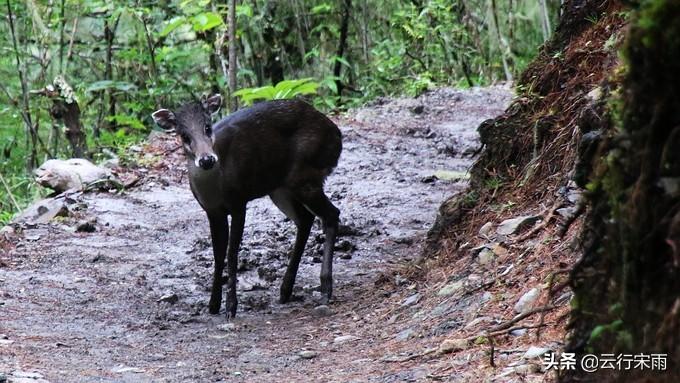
column 219, row 232
column 238, row 217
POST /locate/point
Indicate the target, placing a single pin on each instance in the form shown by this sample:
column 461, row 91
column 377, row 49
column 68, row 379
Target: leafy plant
column 283, row 90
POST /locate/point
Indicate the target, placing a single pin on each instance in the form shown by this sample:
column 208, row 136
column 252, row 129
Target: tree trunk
column 65, row 107
column 344, row 26
column 233, row 103
column 627, row 285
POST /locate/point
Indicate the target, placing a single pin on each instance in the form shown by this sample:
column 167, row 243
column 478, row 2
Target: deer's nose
column 207, row 161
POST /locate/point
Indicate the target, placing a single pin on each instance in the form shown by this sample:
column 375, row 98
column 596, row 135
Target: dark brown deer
column 284, row 149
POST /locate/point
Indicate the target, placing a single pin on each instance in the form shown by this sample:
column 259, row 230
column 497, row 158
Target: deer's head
column 193, row 123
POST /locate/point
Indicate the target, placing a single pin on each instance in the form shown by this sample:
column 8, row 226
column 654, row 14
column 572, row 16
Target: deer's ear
column 213, row 103
column 165, row 119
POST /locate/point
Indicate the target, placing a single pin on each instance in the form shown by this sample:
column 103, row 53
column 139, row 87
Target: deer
column 283, row 149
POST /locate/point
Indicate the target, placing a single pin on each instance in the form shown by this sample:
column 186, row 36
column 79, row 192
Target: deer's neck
column 206, row 185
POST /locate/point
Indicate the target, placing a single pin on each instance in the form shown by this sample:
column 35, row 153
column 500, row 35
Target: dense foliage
column 83, row 76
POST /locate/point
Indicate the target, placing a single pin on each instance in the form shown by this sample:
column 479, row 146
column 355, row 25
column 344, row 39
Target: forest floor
column 127, row 302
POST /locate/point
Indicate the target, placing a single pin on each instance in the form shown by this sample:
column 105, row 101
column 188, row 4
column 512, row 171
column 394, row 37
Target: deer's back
column 274, row 144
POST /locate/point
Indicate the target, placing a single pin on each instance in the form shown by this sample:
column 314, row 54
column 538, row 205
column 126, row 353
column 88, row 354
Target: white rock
column 43, row 211
column 485, row 230
column 526, row 302
column 485, row 256
column 75, row 173
column 450, row 345
column 514, row 225
column 450, row 289
column 535, row 352
column 307, row 354
column 345, row 339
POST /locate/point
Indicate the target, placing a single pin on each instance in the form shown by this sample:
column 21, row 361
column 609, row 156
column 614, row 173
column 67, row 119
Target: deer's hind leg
column 314, row 199
column 303, row 219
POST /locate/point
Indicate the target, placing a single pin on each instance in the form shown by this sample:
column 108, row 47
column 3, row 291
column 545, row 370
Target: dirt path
column 127, row 302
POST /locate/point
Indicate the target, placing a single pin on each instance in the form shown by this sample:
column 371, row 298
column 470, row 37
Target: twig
column 492, row 352
column 551, row 293
column 580, row 208
column 542, row 225
column 519, row 317
column 9, row 192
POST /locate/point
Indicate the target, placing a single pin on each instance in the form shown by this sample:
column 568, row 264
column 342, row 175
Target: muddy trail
column 127, row 302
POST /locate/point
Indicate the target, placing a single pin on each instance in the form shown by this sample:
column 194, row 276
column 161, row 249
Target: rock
column 670, row 185
column 7, row 230
column 450, row 345
column 413, row 299
column 485, row 230
column 3, row 378
column 418, row 109
column 87, row 225
column 322, row 311
column 518, row 332
column 526, row 369
column 486, row 256
column 124, row 369
column 345, row 245
column 24, row 377
column 345, row 338
column 405, row 334
column 43, row 211
column 515, row 225
column 227, row 327
column 75, row 173
column 574, row 196
column 535, row 352
column 566, row 212
column 307, row 354
column 171, row 298
column 450, row 289
column 526, row 302
column 250, row 283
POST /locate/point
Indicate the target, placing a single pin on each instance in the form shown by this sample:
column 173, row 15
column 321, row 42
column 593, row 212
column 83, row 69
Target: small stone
column 345, row 245
column 535, row 352
column 307, row 354
column 518, row 332
column 345, row 339
column 486, row 256
column 526, row 369
column 515, row 225
column 3, row 378
column 450, row 345
column 485, row 230
column 171, row 298
column 7, row 230
column 227, row 327
column 322, row 311
column 413, row 299
column 574, row 196
column 418, row 109
column 87, row 226
column 124, row 369
column 405, row 334
column 450, row 289
column 566, row 212
column 526, row 302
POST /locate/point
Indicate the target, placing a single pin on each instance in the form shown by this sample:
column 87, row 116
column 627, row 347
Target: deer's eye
column 208, row 131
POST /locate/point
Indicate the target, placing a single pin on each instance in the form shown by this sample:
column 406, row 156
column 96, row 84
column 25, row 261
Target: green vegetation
column 107, row 64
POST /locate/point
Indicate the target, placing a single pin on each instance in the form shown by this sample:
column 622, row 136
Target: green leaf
column 172, row 25
column 109, row 84
column 206, row 21
column 126, row 120
column 322, row 8
column 342, row 61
